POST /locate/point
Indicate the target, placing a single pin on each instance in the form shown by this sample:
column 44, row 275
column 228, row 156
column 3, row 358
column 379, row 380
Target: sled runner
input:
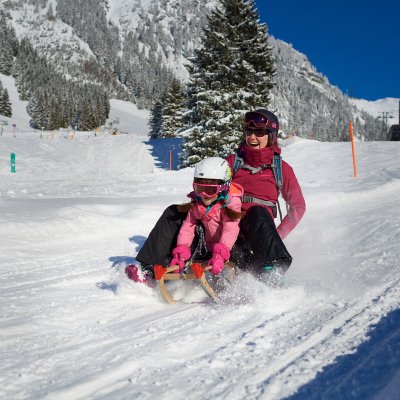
column 195, row 271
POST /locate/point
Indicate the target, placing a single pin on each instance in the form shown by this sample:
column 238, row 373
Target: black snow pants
column 258, row 243
column 157, row 248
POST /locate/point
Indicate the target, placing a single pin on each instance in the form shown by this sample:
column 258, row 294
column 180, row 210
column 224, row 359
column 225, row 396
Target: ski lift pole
column 352, row 149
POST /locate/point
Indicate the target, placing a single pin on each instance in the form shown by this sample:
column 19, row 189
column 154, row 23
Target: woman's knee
column 255, row 218
column 257, row 212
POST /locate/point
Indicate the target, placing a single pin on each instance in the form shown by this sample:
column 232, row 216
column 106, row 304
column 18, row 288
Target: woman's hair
column 231, row 214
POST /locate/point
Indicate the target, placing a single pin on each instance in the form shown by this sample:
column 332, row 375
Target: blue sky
column 355, row 44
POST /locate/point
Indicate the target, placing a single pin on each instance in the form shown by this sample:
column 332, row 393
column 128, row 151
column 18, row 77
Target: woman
column 260, row 247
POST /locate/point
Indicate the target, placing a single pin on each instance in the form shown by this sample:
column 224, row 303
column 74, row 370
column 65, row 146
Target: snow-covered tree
column 53, row 101
column 155, row 120
column 231, row 73
column 8, row 46
column 172, row 111
column 5, row 104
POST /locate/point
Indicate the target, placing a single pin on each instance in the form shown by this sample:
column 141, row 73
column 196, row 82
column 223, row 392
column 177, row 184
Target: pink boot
column 141, row 274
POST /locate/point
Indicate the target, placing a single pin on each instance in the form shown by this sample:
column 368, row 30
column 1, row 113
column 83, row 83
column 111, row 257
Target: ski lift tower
column 385, row 115
column 394, row 131
column 2, row 123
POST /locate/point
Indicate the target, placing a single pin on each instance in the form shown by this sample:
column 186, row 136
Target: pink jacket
column 263, row 186
column 218, row 227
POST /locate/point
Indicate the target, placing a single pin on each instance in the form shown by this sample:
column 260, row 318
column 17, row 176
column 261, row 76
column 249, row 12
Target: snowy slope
column 388, row 105
column 31, row 22
column 124, row 116
column 73, row 327
column 20, row 116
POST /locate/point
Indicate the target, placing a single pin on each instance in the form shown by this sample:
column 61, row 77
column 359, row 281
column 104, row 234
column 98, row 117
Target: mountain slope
column 134, row 48
column 379, row 108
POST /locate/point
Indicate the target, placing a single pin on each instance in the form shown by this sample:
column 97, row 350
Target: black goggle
column 257, row 132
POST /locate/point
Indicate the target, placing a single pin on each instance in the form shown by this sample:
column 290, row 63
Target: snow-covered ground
column 74, row 327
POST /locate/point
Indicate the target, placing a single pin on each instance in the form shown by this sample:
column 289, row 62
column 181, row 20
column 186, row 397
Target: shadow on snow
column 370, row 373
column 166, row 151
column 120, row 262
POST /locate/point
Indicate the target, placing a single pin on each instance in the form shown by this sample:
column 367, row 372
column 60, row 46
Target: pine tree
column 6, row 58
column 8, row 46
column 195, row 148
column 231, row 73
column 55, row 102
column 172, row 111
column 38, row 109
column 5, row 105
column 155, row 120
column 87, row 119
column 5, row 108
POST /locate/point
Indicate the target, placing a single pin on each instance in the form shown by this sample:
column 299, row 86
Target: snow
column 72, row 325
column 388, row 105
column 44, row 34
column 20, row 116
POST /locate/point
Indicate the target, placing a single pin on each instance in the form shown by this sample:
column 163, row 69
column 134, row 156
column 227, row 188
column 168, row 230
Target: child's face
column 205, row 188
column 207, row 200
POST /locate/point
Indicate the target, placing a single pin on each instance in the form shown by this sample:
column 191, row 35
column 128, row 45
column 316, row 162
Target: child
column 216, row 203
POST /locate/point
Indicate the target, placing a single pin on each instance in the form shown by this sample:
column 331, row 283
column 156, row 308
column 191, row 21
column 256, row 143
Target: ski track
column 312, row 345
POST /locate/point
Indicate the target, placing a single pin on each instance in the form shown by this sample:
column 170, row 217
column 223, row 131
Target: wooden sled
column 196, row 272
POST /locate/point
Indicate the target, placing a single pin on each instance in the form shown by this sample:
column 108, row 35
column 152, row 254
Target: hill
column 73, row 326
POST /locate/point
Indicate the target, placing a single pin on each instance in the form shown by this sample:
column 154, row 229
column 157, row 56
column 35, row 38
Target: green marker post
column 12, row 162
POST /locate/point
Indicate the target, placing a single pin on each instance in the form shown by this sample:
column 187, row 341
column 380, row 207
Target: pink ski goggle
column 257, row 120
column 208, row 189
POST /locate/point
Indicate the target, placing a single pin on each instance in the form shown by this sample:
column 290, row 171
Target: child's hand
column 180, row 255
column 220, row 254
column 217, row 264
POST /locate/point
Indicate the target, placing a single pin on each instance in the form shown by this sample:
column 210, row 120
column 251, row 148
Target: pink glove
column 180, row 255
column 220, row 254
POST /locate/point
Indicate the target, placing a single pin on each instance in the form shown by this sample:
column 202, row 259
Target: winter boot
column 272, row 276
column 225, row 279
column 141, row 274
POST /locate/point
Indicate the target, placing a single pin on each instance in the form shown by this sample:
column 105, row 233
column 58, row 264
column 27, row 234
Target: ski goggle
column 256, row 132
column 257, row 120
column 208, row 189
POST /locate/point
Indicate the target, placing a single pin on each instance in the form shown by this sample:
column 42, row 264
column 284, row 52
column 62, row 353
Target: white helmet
column 213, row 168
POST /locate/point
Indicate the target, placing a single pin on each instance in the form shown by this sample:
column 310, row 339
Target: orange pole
column 170, row 160
column 352, row 149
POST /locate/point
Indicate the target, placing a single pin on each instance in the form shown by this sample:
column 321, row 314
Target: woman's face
column 256, row 138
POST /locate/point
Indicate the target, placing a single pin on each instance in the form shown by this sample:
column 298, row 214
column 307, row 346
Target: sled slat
column 207, row 288
column 198, row 273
